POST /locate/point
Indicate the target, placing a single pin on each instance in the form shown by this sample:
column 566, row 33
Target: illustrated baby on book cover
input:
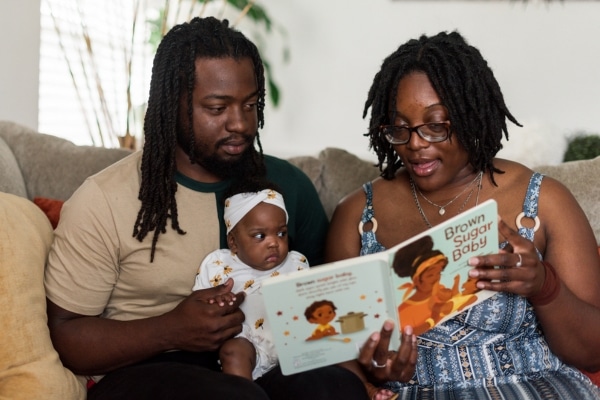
column 323, row 315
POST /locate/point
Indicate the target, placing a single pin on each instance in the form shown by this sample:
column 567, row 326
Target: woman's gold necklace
column 414, row 190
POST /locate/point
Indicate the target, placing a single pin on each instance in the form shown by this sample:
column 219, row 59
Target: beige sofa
column 33, row 165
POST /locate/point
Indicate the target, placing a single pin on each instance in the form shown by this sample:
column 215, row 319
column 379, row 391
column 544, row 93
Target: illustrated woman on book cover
column 426, row 301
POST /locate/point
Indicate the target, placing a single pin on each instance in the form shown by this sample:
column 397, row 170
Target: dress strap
column 368, row 212
column 530, row 207
column 368, row 239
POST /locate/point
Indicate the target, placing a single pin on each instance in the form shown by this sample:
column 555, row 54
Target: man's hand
column 199, row 323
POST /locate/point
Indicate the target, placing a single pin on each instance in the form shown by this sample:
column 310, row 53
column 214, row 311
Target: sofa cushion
column 311, row 166
column 343, row 172
column 11, row 180
column 29, row 366
column 51, row 166
column 582, row 179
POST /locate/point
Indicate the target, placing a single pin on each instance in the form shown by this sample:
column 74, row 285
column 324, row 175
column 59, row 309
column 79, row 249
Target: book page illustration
column 324, row 315
column 430, row 273
column 321, row 313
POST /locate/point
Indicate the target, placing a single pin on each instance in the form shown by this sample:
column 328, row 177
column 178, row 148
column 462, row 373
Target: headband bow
column 237, row 206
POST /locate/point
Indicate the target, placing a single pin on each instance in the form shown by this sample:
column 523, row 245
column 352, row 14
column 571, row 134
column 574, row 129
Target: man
column 130, row 240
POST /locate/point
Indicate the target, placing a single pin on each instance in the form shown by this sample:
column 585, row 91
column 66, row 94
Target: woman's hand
column 521, row 271
column 382, row 365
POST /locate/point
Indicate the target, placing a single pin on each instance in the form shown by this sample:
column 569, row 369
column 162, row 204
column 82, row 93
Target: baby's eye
column 259, row 236
column 282, row 234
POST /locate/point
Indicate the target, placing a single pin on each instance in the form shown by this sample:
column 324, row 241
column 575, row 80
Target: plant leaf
column 256, row 13
column 272, row 85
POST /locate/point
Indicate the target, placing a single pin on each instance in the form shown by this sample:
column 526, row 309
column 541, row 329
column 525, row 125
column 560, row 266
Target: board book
column 321, row 316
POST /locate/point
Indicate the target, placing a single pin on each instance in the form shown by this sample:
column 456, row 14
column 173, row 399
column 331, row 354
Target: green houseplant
column 582, row 146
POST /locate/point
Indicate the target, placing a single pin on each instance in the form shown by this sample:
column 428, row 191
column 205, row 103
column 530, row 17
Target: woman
column 437, row 121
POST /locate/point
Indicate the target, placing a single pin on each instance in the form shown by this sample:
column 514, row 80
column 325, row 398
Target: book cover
column 323, row 315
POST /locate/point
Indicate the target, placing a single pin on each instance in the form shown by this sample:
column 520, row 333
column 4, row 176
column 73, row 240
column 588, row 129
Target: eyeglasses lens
column 432, row 132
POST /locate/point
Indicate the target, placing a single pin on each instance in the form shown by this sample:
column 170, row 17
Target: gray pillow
column 11, row 179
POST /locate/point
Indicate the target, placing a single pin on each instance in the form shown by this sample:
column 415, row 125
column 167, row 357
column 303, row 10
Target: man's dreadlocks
column 173, row 79
column 466, row 85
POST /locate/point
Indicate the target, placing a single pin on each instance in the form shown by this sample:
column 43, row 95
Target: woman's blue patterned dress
column 494, row 350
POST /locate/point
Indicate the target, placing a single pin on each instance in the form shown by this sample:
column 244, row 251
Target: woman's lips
column 424, row 168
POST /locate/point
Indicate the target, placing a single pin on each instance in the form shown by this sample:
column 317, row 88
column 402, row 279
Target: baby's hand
column 444, row 294
column 222, row 299
column 384, row 394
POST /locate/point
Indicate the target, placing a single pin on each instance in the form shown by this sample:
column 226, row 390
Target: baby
column 256, row 221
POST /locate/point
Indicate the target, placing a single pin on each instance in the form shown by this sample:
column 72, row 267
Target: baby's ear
column 231, row 243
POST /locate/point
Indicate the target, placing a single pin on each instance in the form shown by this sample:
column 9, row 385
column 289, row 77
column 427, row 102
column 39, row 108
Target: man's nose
column 238, row 120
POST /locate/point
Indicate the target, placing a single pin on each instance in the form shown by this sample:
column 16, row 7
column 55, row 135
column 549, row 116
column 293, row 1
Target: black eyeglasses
column 433, row 132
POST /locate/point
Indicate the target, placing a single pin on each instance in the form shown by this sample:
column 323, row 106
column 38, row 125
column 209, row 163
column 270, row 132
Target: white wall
column 546, row 57
column 19, row 65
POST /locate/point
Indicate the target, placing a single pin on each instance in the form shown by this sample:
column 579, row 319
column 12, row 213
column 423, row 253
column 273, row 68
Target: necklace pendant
column 442, row 211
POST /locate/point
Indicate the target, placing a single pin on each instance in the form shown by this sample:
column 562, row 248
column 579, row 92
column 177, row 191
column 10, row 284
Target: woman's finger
column 381, row 351
column 405, row 361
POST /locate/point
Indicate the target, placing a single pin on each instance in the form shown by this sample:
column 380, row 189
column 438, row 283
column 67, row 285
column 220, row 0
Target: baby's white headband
column 237, row 206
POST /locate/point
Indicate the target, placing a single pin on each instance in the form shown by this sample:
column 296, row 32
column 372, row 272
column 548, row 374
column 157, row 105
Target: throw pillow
column 50, row 207
column 594, row 376
column 29, row 366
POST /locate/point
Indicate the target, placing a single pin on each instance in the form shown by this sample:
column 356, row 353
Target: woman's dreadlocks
column 466, row 85
column 173, row 79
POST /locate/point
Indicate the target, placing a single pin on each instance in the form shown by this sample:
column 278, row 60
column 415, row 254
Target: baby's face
column 260, row 238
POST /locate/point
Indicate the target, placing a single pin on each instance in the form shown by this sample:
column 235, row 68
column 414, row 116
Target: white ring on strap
column 361, row 224
column 536, row 221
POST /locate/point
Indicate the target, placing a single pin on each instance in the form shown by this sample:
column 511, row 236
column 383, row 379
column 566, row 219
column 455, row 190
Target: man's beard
column 240, row 167
column 226, row 169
